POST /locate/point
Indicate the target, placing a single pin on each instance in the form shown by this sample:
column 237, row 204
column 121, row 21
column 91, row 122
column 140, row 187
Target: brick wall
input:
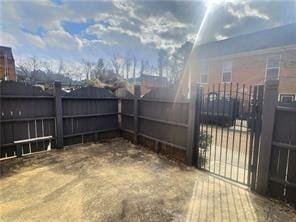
column 11, row 68
column 249, row 68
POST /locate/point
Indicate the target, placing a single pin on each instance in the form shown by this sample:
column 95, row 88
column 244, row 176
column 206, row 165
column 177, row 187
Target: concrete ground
column 228, row 154
column 117, row 181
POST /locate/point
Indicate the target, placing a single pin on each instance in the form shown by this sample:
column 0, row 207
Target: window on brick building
column 273, row 67
column 226, row 72
column 204, row 74
column 287, row 98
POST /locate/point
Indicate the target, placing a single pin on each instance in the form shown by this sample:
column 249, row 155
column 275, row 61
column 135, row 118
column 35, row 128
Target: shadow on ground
column 118, row 181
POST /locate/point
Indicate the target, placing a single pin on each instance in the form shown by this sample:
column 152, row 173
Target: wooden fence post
column 59, row 115
column 193, row 126
column 137, row 95
column 270, row 98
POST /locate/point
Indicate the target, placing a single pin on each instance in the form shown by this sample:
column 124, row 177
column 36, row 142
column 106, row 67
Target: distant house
column 7, row 65
column 250, row 59
column 149, row 82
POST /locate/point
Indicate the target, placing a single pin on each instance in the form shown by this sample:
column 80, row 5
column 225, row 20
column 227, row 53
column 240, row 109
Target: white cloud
column 220, row 37
column 34, row 40
column 119, row 26
column 8, row 40
column 247, row 11
column 63, row 40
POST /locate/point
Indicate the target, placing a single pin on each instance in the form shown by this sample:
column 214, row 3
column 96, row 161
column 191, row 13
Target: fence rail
column 27, row 112
column 158, row 119
column 282, row 175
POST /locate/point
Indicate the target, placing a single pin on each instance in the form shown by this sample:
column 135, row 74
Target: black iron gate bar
column 248, row 132
column 224, row 105
column 227, row 135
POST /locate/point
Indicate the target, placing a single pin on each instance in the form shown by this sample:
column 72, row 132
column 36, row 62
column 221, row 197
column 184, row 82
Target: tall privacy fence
column 32, row 118
column 161, row 121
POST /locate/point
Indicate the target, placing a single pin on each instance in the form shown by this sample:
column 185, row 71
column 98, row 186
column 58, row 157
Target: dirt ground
column 118, row 181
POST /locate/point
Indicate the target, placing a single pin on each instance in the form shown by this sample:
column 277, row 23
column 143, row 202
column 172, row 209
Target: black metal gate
column 229, row 130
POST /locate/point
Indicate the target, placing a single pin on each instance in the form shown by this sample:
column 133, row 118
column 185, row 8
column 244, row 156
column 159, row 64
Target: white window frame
column 203, row 73
column 287, row 95
column 267, row 68
column 223, row 71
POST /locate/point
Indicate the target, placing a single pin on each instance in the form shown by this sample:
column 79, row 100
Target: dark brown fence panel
column 127, row 111
column 161, row 122
column 26, row 112
column 282, row 180
column 88, row 112
column 164, row 120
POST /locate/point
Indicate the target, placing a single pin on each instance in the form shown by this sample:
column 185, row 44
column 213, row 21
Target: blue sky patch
column 40, row 31
column 57, row 2
column 89, row 36
column 76, row 28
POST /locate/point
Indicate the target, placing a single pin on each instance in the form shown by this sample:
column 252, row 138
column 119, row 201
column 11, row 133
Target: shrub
column 205, row 140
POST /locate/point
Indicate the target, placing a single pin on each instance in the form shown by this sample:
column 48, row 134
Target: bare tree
column 88, row 66
column 100, row 69
column 61, row 68
column 134, row 68
column 117, row 63
column 144, row 65
column 46, row 67
column 32, row 64
column 162, row 61
column 29, row 67
column 127, row 62
column 175, row 70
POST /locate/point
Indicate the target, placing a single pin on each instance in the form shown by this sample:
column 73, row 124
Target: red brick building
column 7, row 65
column 250, row 59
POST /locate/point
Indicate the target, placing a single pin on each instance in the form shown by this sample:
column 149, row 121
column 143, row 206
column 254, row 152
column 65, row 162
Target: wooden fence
column 159, row 121
column 282, row 176
column 27, row 112
column 276, row 172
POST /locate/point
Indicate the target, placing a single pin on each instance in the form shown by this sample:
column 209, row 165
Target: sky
column 87, row 30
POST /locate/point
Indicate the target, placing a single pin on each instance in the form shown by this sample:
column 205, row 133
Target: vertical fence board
column 20, row 102
column 268, row 113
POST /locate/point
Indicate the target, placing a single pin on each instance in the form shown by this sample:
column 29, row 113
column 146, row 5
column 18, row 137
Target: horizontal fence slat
column 283, row 145
column 25, row 97
column 27, row 119
column 162, row 141
column 127, row 130
column 163, row 101
column 126, row 114
column 164, row 121
column 89, row 115
column 90, row 132
column 283, row 182
column 7, row 145
column 286, row 108
column 87, row 98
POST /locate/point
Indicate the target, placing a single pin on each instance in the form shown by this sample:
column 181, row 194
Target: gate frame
column 254, row 169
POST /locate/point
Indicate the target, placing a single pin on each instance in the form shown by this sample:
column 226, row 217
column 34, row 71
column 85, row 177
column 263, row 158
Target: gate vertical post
column 137, row 95
column 270, row 98
column 256, row 129
column 59, row 115
column 193, row 126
